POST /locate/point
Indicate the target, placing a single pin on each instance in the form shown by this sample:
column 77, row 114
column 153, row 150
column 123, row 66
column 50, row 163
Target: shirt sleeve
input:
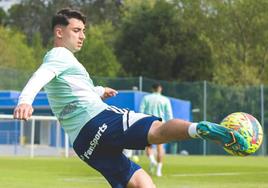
column 99, row 90
column 39, row 79
column 56, row 67
column 58, row 61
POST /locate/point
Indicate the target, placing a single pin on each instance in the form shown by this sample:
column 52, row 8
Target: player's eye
column 76, row 30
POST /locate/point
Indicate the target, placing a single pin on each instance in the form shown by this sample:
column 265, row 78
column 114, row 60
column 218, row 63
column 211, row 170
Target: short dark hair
column 63, row 15
column 155, row 86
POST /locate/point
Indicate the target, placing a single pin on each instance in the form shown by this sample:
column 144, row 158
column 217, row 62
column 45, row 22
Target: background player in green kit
column 97, row 131
column 158, row 105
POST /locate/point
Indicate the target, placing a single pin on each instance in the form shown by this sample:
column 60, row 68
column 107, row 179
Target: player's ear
column 58, row 32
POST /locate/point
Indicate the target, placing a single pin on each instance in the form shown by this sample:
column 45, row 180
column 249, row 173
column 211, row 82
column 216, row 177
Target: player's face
column 73, row 35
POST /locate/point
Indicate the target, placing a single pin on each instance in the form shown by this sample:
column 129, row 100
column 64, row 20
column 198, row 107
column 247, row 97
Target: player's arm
column 39, row 79
column 105, row 92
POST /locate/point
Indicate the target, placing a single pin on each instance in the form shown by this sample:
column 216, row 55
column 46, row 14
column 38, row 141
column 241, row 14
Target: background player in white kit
column 97, row 131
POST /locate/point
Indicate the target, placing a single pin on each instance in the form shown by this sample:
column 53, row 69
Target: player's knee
column 140, row 179
column 142, row 185
column 155, row 133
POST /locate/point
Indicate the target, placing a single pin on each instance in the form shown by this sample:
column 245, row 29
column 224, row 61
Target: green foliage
column 236, row 73
column 14, row 53
column 3, row 16
column 97, row 54
column 29, row 17
column 238, row 36
column 155, row 43
column 184, row 40
column 99, row 11
column 38, row 49
column 16, row 59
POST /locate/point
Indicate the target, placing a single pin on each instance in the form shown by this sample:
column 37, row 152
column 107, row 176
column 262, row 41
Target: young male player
column 97, row 131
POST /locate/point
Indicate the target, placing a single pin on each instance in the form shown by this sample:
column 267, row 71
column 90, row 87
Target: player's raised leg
column 177, row 129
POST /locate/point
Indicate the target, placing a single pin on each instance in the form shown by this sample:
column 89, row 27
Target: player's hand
column 23, row 112
column 109, row 92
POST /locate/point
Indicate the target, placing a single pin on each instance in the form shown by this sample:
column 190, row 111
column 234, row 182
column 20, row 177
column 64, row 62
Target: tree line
column 224, row 42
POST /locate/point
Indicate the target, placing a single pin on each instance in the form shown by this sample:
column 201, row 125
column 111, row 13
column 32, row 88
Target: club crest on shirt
column 69, row 108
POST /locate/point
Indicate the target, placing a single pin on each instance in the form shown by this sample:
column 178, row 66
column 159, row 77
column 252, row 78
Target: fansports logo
column 93, row 143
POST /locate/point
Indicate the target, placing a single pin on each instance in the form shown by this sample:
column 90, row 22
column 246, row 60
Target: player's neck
column 60, row 44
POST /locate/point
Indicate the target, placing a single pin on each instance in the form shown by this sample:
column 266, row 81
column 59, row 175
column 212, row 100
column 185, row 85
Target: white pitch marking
column 218, row 174
column 209, row 174
column 85, row 179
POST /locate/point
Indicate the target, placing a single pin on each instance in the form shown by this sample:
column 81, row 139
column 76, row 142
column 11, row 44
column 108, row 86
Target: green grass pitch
column 179, row 171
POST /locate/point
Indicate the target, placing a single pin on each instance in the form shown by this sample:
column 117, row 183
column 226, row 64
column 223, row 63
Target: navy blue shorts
column 101, row 141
